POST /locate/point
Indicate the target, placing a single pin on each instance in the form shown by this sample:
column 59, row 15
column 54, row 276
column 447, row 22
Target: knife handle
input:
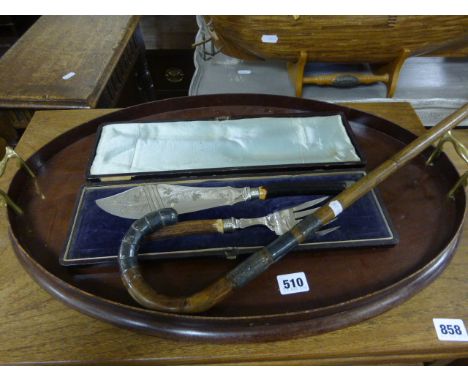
column 301, row 188
column 191, row 227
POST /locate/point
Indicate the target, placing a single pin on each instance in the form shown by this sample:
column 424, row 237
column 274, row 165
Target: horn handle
column 190, row 227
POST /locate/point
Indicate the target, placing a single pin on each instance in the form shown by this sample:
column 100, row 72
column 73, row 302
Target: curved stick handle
column 144, row 294
column 140, row 290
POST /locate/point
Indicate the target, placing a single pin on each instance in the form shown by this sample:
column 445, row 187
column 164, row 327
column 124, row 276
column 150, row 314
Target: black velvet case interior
column 95, row 235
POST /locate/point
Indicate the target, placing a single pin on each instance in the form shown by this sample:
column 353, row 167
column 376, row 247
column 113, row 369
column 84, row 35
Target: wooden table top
column 90, row 46
column 37, row 329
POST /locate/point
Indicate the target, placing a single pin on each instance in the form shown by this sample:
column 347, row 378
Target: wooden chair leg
column 7, row 130
column 393, row 70
column 296, row 72
column 143, row 75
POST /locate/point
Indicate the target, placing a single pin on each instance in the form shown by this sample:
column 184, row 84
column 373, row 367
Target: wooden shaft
column 382, row 172
column 193, row 227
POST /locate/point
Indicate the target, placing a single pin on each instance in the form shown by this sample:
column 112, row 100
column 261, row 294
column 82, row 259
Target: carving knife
column 138, row 201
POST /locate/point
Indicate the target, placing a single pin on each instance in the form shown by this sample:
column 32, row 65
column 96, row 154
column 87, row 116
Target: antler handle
column 191, row 227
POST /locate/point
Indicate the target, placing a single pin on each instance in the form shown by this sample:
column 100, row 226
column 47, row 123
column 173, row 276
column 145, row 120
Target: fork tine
column 301, row 214
column 326, row 231
column 309, row 204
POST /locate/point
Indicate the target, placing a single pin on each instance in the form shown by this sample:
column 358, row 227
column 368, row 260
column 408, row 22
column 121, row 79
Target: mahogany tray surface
column 346, row 286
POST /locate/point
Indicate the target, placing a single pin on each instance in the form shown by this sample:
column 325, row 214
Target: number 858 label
column 449, row 329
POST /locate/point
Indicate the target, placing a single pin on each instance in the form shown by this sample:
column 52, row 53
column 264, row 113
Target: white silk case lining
column 190, row 145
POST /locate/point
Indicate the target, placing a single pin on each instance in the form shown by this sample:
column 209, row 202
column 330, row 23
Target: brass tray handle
column 462, row 152
column 257, row 263
column 7, row 153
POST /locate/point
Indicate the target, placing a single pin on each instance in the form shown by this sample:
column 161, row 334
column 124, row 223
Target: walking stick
column 257, row 263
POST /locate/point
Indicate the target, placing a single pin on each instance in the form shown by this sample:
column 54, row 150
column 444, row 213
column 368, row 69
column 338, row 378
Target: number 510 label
column 450, row 329
column 292, row 283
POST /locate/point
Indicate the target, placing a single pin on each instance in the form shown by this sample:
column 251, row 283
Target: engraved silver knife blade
column 138, row 201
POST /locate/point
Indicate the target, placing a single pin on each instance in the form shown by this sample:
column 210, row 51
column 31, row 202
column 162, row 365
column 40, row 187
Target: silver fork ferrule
column 254, row 193
column 230, row 224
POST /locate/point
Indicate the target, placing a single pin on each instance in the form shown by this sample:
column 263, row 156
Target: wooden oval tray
column 346, row 286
